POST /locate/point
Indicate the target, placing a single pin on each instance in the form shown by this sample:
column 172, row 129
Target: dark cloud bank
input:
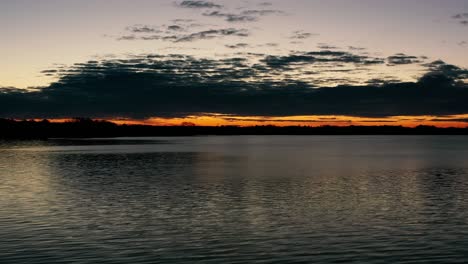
column 178, row 85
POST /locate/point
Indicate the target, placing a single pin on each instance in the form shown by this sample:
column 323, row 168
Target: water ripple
column 235, row 200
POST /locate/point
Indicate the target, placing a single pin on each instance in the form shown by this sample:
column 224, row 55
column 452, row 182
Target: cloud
column 198, row 4
column 177, row 25
column 261, row 12
column 270, row 44
column 179, row 86
column 319, row 57
column 231, row 17
column 265, row 4
column 238, row 46
column 326, row 46
column 244, row 16
column 462, row 18
column 213, row 33
column 128, row 37
column 175, row 28
column 356, row 48
column 441, row 71
column 302, row 35
column 49, row 71
column 401, row 59
column 382, row 81
column 143, row 29
column 173, row 34
column 182, row 20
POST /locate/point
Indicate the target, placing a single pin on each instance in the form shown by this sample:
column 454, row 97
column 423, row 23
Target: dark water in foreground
column 235, row 200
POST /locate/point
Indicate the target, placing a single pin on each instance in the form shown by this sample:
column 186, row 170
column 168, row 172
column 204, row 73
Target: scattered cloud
column 128, row 37
column 143, row 29
column 326, row 46
column 230, row 17
column 244, row 16
column 175, row 28
column 177, row 25
column 173, row 34
column 302, row 35
column 198, row 4
column 400, row 59
column 182, row 20
column 213, row 33
column 462, row 18
column 319, row 57
column 238, row 46
column 262, row 12
column 265, row 4
column 271, row 45
column 353, row 48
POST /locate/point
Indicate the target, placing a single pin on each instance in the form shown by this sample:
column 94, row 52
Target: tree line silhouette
column 85, row 127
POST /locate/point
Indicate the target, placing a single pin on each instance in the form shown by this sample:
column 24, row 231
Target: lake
column 245, row 199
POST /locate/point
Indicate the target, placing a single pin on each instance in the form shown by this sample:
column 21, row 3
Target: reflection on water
column 235, row 200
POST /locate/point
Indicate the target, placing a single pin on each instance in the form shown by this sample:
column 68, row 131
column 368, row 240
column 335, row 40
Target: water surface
column 248, row 199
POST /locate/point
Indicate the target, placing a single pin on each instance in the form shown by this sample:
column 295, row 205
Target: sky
column 294, row 62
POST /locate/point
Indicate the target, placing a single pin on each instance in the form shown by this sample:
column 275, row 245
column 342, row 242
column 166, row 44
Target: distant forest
column 85, row 127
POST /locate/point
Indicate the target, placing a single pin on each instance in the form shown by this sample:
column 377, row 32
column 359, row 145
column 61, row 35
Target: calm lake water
column 249, row 199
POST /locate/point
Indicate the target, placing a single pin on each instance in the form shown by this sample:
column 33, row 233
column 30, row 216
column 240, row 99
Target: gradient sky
column 42, row 37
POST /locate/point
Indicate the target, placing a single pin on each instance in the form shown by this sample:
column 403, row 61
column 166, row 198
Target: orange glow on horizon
column 312, row 121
